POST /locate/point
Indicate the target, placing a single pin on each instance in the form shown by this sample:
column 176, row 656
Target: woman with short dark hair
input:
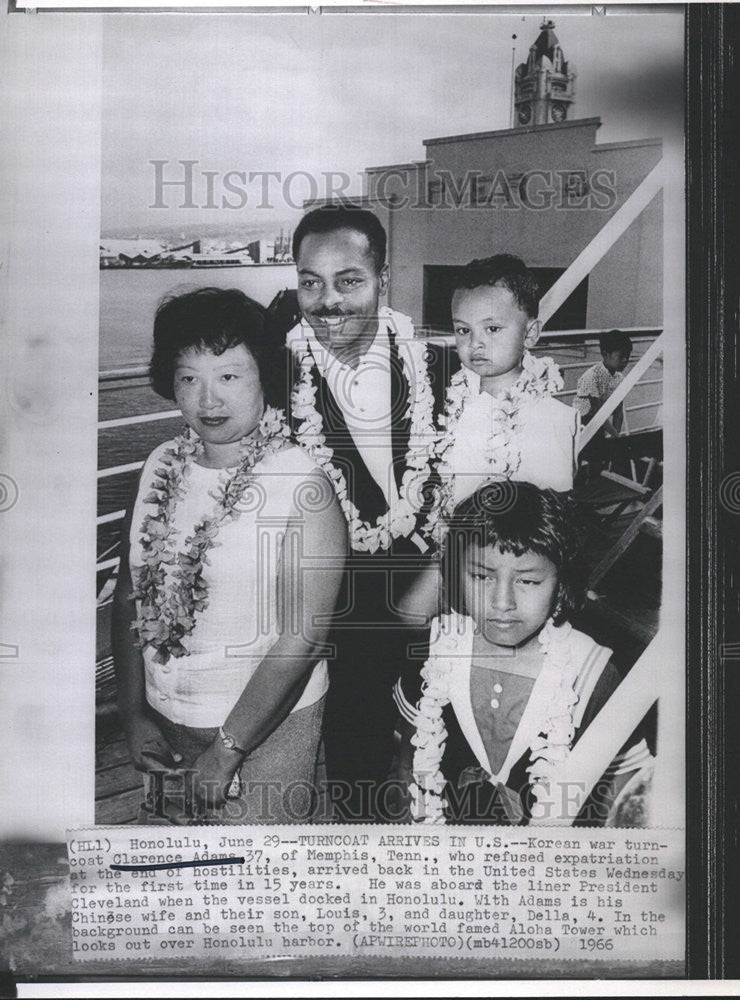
column 217, row 634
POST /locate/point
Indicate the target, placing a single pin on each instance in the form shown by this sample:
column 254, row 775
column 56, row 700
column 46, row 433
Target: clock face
column 525, row 114
column 558, row 112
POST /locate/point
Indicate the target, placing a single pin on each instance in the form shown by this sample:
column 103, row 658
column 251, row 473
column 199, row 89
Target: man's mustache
column 339, row 314
column 329, row 313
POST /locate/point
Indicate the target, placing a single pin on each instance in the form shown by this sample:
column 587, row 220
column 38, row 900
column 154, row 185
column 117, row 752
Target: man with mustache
column 365, row 409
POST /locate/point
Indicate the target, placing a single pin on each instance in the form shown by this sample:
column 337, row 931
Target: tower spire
column 544, row 85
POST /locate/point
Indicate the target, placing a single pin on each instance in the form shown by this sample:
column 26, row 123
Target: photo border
column 713, row 746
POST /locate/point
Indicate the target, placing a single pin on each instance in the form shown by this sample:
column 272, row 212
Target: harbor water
column 129, row 298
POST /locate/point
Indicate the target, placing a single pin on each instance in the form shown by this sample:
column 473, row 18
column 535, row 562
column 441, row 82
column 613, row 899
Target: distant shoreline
column 192, row 267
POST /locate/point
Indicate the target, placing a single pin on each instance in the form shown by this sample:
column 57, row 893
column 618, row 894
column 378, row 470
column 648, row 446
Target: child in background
column 501, row 418
column 508, row 678
column 597, row 384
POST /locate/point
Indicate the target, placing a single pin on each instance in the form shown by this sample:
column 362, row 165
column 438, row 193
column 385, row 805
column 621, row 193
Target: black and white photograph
column 408, row 385
column 351, row 425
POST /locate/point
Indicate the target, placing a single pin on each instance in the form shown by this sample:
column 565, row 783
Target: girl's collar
column 547, row 727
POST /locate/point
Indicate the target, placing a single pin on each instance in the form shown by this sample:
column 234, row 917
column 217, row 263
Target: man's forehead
column 339, row 243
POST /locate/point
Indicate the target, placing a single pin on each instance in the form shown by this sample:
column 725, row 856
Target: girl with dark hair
column 217, row 636
column 508, row 679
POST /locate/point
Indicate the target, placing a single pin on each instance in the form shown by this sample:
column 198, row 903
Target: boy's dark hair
column 330, row 218
column 216, row 319
column 615, row 340
column 507, row 270
column 518, row 518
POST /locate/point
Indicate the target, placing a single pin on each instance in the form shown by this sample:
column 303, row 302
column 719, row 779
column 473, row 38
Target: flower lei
column 169, row 601
column 555, row 725
column 502, row 456
column 400, row 519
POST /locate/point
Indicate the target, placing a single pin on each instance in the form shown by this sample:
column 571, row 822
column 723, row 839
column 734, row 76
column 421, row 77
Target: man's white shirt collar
column 329, row 364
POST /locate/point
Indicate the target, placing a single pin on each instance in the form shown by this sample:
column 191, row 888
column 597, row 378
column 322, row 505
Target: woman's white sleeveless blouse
column 239, row 625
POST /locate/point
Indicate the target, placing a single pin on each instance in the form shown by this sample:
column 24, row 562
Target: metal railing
column 160, row 415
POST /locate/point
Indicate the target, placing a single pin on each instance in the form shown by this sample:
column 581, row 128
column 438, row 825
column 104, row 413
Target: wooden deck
column 119, row 788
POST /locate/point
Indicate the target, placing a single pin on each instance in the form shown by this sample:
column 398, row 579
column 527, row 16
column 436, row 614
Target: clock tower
column 544, row 85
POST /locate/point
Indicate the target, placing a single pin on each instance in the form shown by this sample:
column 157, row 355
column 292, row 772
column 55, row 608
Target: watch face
column 227, row 739
column 525, row 114
column 558, row 112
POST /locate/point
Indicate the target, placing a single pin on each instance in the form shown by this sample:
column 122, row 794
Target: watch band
column 228, row 740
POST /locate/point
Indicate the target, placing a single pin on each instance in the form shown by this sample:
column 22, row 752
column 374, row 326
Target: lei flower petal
column 169, row 602
column 366, row 536
column 540, row 377
column 555, row 727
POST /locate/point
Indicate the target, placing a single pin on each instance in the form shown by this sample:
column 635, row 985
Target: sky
column 310, row 94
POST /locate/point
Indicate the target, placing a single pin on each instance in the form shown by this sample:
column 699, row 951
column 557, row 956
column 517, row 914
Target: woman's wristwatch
column 228, row 741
